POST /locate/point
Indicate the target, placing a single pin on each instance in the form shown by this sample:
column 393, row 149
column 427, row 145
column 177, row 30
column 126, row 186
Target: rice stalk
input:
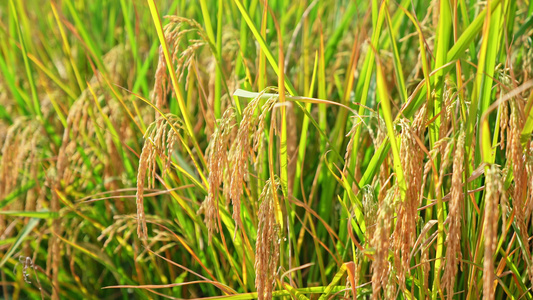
column 370, row 212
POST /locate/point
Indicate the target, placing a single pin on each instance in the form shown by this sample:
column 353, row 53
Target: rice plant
column 246, row 149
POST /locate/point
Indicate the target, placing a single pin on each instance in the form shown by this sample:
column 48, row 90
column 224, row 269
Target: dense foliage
column 241, row 149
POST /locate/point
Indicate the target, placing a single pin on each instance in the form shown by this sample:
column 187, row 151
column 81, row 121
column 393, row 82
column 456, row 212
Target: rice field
column 246, row 149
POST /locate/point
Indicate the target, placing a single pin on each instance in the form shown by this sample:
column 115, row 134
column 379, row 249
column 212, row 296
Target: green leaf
column 20, row 238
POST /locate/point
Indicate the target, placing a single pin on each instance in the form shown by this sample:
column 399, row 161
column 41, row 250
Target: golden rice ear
column 494, row 186
column 239, row 159
column 19, row 153
column 516, row 154
column 217, row 161
column 267, row 243
column 411, row 156
column 455, row 213
column 160, row 138
column 240, row 151
column 10, row 162
column 141, row 178
column 178, row 33
column 381, row 243
column 504, row 122
column 161, row 84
